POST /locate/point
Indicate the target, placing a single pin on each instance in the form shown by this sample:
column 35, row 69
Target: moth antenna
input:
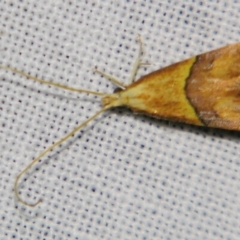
column 49, row 149
column 107, row 100
column 51, row 83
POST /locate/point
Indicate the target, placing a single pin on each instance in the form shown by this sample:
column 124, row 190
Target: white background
column 124, row 176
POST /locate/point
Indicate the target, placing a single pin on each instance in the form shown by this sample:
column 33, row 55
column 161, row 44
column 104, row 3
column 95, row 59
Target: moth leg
column 137, row 62
column 136, row 66
column 111, row 78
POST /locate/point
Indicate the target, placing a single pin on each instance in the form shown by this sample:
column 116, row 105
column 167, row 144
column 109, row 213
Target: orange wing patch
column 213, row 87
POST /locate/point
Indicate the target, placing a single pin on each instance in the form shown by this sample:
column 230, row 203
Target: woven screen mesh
column 124, row 176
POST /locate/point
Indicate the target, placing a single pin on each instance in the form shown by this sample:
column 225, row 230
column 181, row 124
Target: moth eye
column 117, row 90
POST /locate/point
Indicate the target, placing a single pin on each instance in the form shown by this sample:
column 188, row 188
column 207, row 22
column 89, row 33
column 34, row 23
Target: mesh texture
column 124, row 176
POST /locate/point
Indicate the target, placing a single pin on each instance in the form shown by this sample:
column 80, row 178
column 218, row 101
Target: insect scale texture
column 203, row 90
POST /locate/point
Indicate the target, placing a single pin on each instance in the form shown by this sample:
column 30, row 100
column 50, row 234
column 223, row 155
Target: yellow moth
column 202, row 90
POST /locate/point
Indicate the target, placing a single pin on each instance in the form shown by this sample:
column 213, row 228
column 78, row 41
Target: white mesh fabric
column 124, row 176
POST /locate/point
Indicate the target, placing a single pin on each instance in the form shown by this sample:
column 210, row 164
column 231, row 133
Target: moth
column 203, row 90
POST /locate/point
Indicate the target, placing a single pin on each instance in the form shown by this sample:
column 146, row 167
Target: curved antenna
column 49, row 149
column 66, row 137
